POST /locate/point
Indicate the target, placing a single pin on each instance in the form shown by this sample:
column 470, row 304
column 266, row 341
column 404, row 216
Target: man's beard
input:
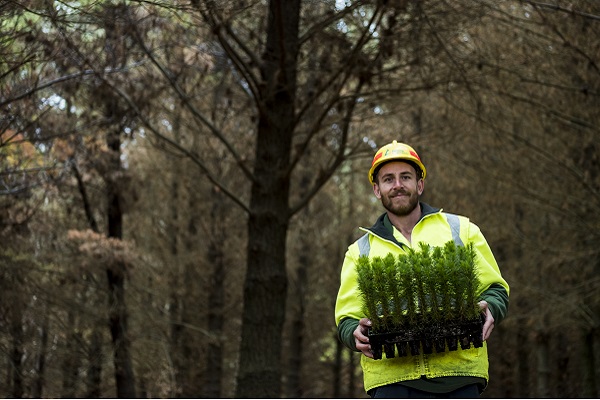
column 403, row 209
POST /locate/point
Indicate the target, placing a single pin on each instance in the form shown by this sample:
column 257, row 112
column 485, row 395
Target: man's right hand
column 361, row 339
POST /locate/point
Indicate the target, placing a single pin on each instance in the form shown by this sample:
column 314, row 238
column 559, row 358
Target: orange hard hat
column 395, row 151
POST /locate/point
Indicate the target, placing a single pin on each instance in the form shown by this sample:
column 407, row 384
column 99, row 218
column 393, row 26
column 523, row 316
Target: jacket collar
column 383, row 227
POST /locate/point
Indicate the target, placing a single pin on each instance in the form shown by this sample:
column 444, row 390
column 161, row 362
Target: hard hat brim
column 415, row 162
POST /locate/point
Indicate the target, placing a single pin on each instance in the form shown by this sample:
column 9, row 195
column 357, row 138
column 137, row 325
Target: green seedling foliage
column 445, row 287
column 416, row 276
column 382, row 295
column 432, row 283
column 455, row 280
column 407, row 288
column 472, row 279
column 427, row 282
column 365, row 280
column 448, row 257
column 424, row 285
column 418, row 266
column 393, row 289
column 461, row 289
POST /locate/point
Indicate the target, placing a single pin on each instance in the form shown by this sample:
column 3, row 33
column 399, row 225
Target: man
column 398, row 178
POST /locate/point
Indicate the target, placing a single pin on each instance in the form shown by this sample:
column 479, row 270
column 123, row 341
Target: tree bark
column 265, row 286
column 95, row 358
column 543, row 364
column 523, row 370
column 294, row 381
column 562, row 363
column 590, row 389
column 115, row 274
column 37, row 389
column 337, row 368
column 16, row 352
column 212, row 378
column 214, row 352
column 175, row 315
column 119, row 332
column 190, row 351
column 70, row 365
column 297, row 344
column 352, row 367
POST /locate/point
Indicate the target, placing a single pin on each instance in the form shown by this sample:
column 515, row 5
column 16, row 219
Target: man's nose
column 397, row 182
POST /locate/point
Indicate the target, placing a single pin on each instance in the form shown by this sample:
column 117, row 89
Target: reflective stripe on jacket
column 433, row 228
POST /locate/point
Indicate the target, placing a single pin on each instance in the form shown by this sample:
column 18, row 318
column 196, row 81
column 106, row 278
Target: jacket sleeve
column 497, row 299
column 489, row 273
column 348, row 303
column 346, row 329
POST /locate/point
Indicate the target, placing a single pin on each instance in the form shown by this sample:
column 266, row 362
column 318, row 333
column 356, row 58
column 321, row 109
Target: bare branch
column 181, row 149
column 556, row 7
column 195, row 112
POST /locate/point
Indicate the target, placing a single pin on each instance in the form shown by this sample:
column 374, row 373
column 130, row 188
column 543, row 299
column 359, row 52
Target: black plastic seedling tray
column 438, row 337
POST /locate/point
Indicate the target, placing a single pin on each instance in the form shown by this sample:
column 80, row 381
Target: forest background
column 179, row 182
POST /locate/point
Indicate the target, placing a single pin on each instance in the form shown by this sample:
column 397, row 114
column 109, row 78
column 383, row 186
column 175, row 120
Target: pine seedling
column 455, row 279
column 418, row 267
column 461, row 293
column 366, row 286
column 444, row 283
column 429, row 303
column 469, row 270
column 432, row 282
column 382, row 297
column 407, row 289
column 460, row 261
column 393, row 289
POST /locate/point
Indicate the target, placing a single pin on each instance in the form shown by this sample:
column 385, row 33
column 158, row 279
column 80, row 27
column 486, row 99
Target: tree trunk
column 212, row 379
column 70, row 365
column 175, row 316
column 95, row 358
column 115, row 274
column 297, row 344
column 590, row 390
column 87, row 207
column 16, row 352
column 294, row 381
column 543, row 364
column 352, row 373
column 265, row 286
column 37, row 389
column 337, row 368
column 214, row 352
column 523, row 370
column 191, row 350
column 119, row 332
column 175, row 345
column 191, row 378
column 562, row 363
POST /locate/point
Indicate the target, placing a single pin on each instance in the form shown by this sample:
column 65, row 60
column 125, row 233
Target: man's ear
column 420, row 186
column 376, row 191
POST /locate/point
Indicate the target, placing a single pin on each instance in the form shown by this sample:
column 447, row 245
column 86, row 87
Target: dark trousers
column 397, row 391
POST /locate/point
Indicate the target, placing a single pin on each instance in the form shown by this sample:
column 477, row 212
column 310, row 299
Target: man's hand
column 488, row 326
column 361, row 339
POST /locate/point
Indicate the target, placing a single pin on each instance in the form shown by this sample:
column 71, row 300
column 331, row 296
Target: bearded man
column 397, row 175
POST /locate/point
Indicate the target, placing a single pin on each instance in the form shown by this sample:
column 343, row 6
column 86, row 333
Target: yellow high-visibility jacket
column 434, row 228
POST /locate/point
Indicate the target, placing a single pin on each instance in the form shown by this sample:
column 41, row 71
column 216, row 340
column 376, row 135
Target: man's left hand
column 488, row 326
